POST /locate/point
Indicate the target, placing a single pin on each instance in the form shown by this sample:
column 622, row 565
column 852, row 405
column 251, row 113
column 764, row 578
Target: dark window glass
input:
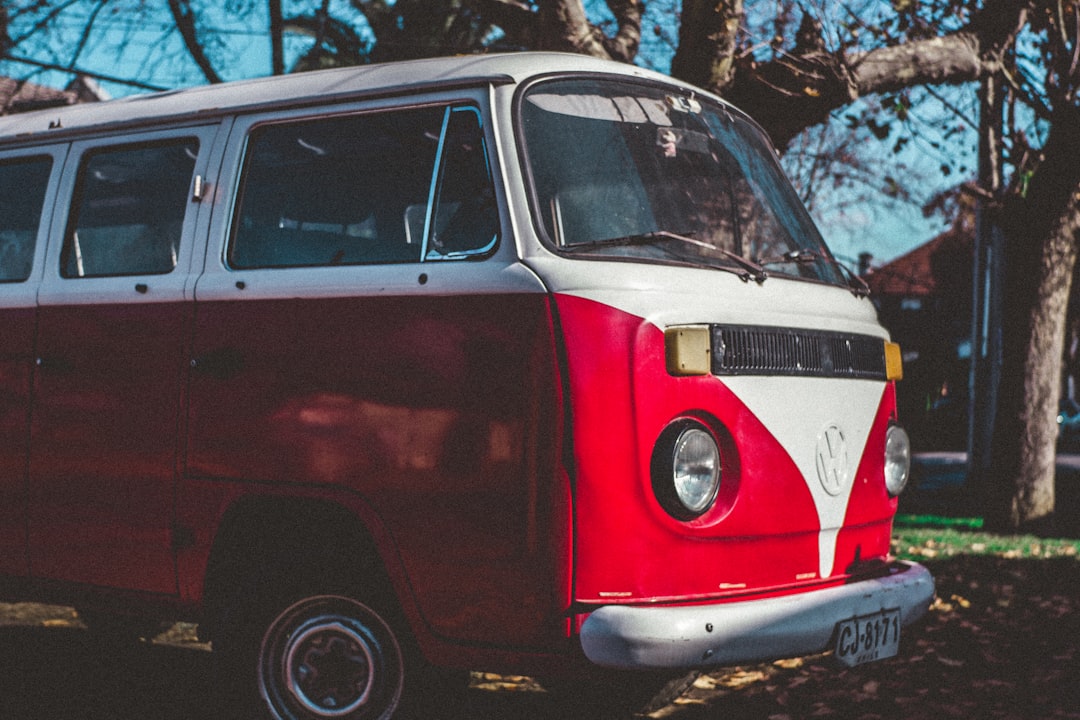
column 128, row 210
column 659, row 175
column 359, row 189
column 22, row 187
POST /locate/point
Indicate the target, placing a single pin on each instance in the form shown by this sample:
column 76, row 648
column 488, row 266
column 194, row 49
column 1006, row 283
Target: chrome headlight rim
column 897, row 459
column 687, row 469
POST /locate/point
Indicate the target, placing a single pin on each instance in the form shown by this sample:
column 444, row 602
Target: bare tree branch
column 80, row 71
column 86, row 33
column 624, row 45
column 184, row 18
column 564, row 26
column 797, row 91
column 277, row 50
column 44, row 22
column 518, row 21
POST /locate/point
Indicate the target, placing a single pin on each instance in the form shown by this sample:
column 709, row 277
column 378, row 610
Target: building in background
column 924, row 299
column 23, row 96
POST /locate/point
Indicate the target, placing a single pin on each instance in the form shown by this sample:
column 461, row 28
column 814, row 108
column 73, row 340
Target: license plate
column 868, row 638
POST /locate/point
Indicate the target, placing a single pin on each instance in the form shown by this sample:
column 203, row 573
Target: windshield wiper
column 856, row 284
column 747, row 270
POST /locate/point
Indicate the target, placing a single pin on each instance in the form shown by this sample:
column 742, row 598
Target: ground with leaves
column 1001, row 641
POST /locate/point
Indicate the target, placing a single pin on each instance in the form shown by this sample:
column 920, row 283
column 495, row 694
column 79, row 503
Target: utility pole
column 988, row 279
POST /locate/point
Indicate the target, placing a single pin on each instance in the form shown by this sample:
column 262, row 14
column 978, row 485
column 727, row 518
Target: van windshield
column 656, row 174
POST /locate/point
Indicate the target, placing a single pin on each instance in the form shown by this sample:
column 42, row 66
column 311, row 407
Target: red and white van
column 526, row 363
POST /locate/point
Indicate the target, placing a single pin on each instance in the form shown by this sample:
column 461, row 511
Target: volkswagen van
column 527, row 363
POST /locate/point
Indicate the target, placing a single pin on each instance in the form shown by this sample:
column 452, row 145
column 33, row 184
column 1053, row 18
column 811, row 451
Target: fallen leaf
column 742, row 678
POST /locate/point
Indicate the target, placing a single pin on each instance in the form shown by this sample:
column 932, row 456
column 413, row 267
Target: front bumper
column 685, row 636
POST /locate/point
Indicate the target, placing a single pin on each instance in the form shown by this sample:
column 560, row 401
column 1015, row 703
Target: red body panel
column 440, row 415
column 16, row 359
column 763, row 532
column 103, row 446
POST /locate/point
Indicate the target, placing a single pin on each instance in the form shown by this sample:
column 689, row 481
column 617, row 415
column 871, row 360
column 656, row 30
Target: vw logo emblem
column 832, row 459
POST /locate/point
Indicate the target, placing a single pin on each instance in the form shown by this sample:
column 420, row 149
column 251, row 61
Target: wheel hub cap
column 329, row 668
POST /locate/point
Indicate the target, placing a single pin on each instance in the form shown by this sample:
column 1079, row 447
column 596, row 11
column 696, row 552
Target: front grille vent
column 745, row 350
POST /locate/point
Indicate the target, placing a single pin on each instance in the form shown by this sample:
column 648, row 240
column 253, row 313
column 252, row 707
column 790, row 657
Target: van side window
column 128, row 210
column 22, row 186
column 400, row 186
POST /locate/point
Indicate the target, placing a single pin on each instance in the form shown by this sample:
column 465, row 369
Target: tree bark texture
column 1042, row 231
column 564, row 26
column 708, row 37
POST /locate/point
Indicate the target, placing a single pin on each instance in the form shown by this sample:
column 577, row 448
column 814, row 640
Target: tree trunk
column 1042, row 231
column 708, row 34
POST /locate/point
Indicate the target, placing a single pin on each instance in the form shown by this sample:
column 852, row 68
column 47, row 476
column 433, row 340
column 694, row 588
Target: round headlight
column 897, row 459
column 686, row 470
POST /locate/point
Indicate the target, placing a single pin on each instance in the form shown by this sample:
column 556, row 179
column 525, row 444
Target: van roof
column 300, row 89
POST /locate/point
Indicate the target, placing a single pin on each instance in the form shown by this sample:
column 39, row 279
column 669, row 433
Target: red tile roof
column 916, row 273
column 21, row 96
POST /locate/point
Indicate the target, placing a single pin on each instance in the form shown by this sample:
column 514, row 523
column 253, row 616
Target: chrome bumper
column 685, row 636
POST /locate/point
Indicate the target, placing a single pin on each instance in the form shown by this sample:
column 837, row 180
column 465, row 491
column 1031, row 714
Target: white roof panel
column 301, row 88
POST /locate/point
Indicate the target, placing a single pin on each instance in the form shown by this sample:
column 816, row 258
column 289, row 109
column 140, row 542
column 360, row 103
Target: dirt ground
column 1002, row 641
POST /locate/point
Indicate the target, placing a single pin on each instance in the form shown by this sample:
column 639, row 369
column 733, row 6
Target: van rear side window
column 22, row 185
column 128, row 210
column 400, row 186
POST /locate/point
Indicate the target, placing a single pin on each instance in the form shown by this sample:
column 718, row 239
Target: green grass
column 919, row 537
column 917, row 521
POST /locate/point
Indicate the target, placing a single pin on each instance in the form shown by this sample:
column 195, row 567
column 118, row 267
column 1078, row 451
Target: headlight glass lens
column 697, row 469
column 897, row 460
column 686, row 469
